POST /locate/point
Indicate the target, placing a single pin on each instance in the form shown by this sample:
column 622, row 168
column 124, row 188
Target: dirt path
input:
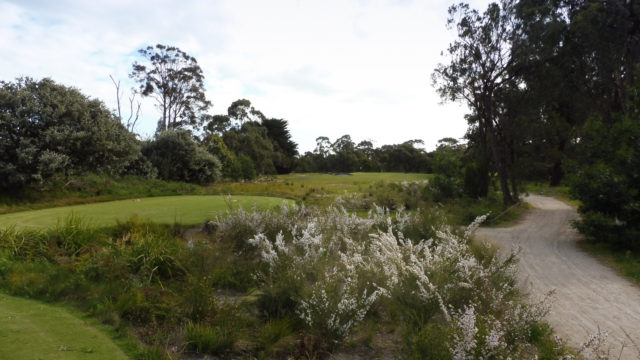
column 588, row 294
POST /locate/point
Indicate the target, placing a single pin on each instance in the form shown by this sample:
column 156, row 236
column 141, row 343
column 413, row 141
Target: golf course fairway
column 33, row 330
column 187, row 209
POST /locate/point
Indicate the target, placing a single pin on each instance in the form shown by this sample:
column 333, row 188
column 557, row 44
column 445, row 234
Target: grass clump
column 209, row 340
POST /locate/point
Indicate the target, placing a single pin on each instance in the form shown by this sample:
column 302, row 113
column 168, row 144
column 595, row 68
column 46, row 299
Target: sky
column 328, row 67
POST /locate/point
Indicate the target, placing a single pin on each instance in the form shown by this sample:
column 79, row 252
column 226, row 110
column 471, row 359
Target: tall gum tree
column 480, row 67
column 175, row 81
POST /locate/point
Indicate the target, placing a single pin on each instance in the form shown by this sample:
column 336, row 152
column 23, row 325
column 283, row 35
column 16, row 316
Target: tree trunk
column 497, row 159
column 484, row 159
column 164, row 114
column 557, row 172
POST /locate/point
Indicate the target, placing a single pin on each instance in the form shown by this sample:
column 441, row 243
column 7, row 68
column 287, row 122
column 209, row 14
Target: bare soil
column 588, row 294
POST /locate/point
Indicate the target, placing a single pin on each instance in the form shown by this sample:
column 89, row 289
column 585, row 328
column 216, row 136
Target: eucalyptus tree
column 480, row 68
column 175, row 81
column 241, row 111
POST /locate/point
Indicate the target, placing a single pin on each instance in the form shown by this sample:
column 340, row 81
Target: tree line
column 554, row 95
column 47, row 129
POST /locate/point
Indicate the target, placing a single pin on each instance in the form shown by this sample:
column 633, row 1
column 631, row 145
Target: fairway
column 32, row 330
column 188, row 210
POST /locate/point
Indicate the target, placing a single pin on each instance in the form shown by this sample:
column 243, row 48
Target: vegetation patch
column 282, row 283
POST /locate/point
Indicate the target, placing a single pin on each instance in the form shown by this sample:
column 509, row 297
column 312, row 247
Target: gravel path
column 588, row 294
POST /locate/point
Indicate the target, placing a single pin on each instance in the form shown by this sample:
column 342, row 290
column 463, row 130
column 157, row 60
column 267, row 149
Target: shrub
column 49, row 128
column 334, row 268
column 476, row 181
column 444, row 188
column 247, row 169
column 178, row 157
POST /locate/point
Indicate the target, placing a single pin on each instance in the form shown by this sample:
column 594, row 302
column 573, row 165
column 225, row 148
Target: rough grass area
column 319, row 189
column 32, row 330
column 186, row 210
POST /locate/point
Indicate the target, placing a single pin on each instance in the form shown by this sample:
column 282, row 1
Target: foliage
column 608, row 188
column 177, row 157
column 175, row 81
column 47, row 128
column 245, row 131
column 344, row 156
column 480, row 69
column 251, row 140
column 285, row 149
column 258, row 278
column 209, row 340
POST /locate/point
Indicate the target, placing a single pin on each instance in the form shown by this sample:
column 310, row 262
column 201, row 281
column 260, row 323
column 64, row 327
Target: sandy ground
column 588, row 294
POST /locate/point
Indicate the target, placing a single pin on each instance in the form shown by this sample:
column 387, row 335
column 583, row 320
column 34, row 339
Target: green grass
column 32, row 330
column 311, row 188
column 314, row 188
column 186, row 210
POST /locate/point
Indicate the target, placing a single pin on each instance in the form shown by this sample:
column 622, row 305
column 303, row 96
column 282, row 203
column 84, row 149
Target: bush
column 476, row 181
column 247, row 169
column 47, row 128
column 444, row 188
column 428, row 343
column 178, row 157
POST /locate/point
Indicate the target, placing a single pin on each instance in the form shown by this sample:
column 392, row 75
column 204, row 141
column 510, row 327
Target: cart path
column 588, row 294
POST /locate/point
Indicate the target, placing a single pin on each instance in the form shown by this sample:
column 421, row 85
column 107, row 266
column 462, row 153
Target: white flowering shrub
column 329, row 268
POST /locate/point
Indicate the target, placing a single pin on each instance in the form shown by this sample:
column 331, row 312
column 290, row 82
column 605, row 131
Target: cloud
column 329, row 67
column 305, row 78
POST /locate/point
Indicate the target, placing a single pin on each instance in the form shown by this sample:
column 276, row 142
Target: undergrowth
column 297, row 282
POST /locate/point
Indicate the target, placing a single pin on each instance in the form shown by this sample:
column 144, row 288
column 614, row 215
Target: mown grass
column 91, row 188
column 310, row 188
column 30, row 329
column 185, row 210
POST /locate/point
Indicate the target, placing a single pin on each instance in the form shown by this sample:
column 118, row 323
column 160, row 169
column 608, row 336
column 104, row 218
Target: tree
column 481, row 67
column 179, row 158
column 251, row 140
column 134, row 115
column 285, row 149
column 175, row 81
column 241, row 112
column 47, row 128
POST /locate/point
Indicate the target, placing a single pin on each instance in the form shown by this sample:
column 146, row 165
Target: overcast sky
column 330, row 68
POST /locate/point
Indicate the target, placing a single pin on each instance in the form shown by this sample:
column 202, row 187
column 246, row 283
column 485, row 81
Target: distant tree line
column 554, row 91
column 344, row 156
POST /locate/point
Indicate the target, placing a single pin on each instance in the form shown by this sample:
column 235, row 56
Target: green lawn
column 187, row 210
column 32, row 330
